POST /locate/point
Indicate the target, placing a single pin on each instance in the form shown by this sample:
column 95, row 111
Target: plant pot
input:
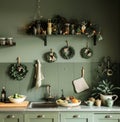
column 106, row 97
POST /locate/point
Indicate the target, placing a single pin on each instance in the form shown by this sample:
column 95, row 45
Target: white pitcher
column 105, row 97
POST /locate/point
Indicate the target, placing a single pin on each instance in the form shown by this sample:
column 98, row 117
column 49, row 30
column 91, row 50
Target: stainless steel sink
column 42, row 105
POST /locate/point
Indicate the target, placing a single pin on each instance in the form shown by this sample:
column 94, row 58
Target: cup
column 92, row 99
column 109, row 102
column 98, row 102
column 89, row 103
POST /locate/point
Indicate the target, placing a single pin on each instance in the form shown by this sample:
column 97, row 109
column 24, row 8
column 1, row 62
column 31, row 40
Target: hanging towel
column 39, row 76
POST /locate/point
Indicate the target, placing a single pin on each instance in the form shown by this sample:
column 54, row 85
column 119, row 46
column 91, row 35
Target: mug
column 98, row 102
column 89, row 103
column 109, row 102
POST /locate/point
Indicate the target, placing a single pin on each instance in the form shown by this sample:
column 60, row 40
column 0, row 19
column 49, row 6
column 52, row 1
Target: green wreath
column 86, row 52
column 18, row 71
column 50, row 56
column 67, row 52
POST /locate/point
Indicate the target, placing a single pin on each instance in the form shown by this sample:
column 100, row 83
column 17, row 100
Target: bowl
column 66, row 104
column 19, row 99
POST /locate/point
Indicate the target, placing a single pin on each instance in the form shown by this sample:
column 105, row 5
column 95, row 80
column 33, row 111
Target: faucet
column 48, row 88
column 48, row 95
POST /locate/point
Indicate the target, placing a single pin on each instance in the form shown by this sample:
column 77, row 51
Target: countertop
column 81, row 108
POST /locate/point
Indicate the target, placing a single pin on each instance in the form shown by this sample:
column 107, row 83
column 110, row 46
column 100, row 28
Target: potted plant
column 105, row 90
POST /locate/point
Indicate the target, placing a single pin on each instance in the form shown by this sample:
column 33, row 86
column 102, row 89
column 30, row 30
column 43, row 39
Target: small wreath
column 50, row 56
column 18, row 71
column 67, row 52
column 86, row 52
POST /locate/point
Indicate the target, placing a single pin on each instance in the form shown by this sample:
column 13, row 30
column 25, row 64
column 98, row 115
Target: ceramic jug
column 105, row 97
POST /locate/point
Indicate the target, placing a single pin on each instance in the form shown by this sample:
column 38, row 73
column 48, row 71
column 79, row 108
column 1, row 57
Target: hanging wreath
column 18, row 71
column 106, row 69
column 50, row 56
column 67, row 52
column 86, row 52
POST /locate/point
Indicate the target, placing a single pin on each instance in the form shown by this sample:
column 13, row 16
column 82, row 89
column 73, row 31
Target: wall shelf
column 59, row 25
column 6, row 44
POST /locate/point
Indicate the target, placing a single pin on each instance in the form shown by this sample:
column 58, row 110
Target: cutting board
column 14, row 105
column 80, row 84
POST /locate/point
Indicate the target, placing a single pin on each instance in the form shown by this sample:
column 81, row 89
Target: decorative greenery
column 67, row 52
column 63, row 26
column 86, row 52
column 50, row 56
column 18, row 71
column 104, row 87
column 106, row 69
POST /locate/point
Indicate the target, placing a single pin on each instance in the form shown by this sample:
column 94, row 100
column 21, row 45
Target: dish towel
column 39, row 76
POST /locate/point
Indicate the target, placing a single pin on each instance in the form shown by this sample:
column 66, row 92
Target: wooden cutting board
column 14, row 105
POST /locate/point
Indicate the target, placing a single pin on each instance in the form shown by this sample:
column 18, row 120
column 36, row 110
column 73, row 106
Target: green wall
column 14, row 15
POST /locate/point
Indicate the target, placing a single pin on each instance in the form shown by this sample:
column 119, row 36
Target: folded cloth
column 39, row 76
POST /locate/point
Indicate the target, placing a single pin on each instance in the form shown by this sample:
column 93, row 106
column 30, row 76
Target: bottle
column 3, row 95
column 49, row 28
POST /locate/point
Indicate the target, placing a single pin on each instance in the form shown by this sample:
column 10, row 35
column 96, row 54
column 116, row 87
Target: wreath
column 18, row 71
column 67, row 52
column 50, row 56
column 86, row 52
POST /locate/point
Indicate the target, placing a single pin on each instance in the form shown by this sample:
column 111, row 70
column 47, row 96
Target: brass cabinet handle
column 108, row 116
column 40, row 116
column 76, row 116
column 11, row 116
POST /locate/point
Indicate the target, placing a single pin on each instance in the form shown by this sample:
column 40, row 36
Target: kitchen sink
column 42, row 105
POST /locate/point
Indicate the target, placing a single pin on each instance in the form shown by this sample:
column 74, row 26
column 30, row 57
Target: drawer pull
column 40, row 116
column 11, row 116
column 108, row 116
column 76, row 116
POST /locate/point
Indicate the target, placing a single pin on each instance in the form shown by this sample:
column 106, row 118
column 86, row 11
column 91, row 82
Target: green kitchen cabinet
column 107, row 117
column 41, row 117
column 76, row 117
column 11, row 117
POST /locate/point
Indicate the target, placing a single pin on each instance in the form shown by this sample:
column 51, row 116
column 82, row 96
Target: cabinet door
column 41, row 117
column 11, row 117
column 76, row 117
column 108, row 117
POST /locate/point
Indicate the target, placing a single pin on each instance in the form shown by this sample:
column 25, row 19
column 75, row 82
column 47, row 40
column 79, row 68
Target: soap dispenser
column 62, row 96
column 3, row 95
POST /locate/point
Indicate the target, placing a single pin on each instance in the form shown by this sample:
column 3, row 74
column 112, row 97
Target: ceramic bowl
column 17, row 100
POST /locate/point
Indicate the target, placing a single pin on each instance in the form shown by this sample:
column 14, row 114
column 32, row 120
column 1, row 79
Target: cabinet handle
column 11, row 116
column 40, row 116
column 108, row 116
column 76, row 116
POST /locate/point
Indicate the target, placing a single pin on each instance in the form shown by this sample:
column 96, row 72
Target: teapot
column 105, row 97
